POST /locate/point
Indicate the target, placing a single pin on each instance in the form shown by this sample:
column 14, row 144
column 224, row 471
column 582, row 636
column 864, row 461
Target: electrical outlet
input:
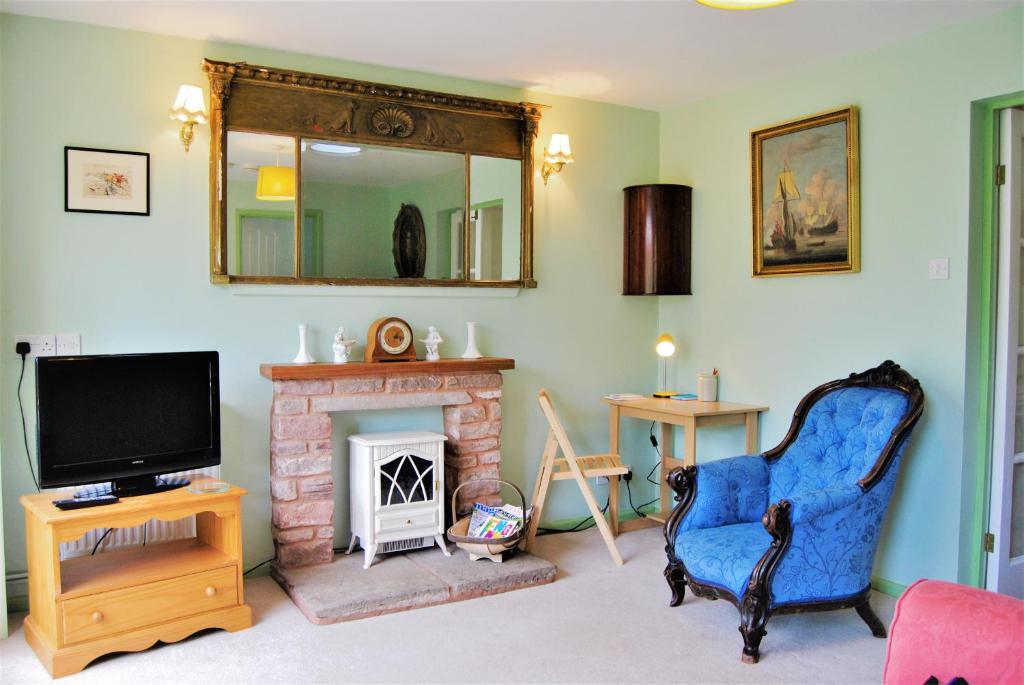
column 68, row 344
column 42, row 345
column 938, row 269
column 602, row 480
column 628, row 475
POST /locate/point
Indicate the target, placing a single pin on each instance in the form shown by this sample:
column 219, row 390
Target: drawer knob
column 210, row 591
column 97, row 616
column 408, row 522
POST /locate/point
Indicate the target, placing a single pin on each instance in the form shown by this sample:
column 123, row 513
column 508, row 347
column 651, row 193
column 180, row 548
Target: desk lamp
column 665, row 346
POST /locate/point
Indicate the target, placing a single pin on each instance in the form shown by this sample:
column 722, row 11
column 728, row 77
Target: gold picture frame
column 805, row 195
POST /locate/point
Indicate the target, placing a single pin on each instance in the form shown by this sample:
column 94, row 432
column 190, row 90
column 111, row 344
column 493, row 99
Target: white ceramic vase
column 471, row 351
column 303, row 357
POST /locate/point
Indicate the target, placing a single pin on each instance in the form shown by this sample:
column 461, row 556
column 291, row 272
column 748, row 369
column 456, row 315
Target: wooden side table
column 690, row 415
column 127, row 600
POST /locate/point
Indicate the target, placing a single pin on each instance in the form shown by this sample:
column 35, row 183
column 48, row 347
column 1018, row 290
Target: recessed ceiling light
column 335, row 149
column 743, row 4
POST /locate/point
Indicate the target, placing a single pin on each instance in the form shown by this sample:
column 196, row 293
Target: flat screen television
column 126, row 419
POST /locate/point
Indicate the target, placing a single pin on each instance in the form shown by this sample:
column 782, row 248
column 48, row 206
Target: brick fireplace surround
column 301, row 485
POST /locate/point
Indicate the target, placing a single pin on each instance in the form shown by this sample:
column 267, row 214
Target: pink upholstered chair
column 944, row 630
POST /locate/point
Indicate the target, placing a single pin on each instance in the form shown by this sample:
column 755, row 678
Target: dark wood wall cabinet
column 656, row 256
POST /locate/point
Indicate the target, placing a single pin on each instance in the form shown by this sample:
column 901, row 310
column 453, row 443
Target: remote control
column 85, row 502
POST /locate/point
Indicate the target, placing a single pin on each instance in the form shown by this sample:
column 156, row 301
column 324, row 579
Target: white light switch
column 69, row 344
column 938, row 269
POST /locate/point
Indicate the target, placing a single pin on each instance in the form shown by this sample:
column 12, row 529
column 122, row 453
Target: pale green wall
column 774, row 339
column 142, row 284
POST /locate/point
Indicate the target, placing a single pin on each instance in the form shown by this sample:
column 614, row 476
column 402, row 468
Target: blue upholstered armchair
column 796, row 528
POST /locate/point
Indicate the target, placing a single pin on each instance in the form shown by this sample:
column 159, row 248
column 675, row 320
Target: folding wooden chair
column 579, row 469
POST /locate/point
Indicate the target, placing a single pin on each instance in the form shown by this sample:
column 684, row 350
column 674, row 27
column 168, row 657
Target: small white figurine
column 342, row 346
column 432, row 340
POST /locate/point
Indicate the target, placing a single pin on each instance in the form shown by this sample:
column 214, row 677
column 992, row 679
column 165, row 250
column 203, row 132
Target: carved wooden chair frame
column 755, row 607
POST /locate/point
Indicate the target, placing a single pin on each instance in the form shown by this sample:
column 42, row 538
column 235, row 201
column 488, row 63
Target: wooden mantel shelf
column 297, row 372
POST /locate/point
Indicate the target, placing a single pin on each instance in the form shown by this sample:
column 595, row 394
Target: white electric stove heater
column 396, row 492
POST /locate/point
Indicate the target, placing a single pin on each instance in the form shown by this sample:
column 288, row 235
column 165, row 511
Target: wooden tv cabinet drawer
column 129, row 599
column 93, row 616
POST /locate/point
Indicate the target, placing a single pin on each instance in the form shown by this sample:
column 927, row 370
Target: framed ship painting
column 806, row 195
column 106, row 181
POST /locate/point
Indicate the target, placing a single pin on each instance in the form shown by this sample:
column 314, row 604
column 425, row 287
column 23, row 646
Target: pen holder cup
column 707, row 387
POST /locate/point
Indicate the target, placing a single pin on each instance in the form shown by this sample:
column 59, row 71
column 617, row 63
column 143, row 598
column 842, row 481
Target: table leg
column 667, row 452
column 613, row 482
column 690, row 441
column 613, row 428
column 752, row 441
column 613, row 504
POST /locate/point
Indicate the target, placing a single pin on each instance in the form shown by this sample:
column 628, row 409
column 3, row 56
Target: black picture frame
column 70, row 206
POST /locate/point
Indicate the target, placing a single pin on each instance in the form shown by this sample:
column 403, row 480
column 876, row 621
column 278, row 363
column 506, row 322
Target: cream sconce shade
column 190, row 109
column 556, row 155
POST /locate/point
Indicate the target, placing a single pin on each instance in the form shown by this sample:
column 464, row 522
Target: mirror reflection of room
column 261, row 207
column 495, row 209
column 386, row 211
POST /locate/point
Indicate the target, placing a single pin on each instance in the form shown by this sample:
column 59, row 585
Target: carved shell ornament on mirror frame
column 392, row 121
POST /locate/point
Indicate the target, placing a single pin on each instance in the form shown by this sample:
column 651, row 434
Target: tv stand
column 145, row 485
column 129, row 599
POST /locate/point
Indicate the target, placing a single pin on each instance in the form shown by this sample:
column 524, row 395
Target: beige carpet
column 596, row 623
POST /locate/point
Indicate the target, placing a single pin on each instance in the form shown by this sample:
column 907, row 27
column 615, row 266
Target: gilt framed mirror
column 325, row 180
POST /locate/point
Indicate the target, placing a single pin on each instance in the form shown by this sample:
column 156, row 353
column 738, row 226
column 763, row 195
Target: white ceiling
column 651, row 54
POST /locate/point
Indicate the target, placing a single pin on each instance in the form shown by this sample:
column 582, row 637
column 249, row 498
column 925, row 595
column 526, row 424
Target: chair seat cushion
column 723, row 556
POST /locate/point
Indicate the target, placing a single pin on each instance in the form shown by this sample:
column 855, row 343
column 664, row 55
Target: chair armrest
column 727, row 491
column 809, row 506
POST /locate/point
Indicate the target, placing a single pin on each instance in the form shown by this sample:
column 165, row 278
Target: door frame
column 1007, row 342
column 983, row 236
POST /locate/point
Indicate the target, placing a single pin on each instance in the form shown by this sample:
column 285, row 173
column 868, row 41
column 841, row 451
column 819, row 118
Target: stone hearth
column 344, row 591
column 301, row 441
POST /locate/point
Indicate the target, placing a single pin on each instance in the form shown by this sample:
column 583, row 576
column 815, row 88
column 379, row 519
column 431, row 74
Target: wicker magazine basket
column 487, row 548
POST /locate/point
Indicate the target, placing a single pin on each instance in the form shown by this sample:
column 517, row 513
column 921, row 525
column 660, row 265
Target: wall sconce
column 556, row 155
column 190, row 109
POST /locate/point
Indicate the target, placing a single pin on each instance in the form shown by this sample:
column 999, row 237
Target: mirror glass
column 261, row 206
column 495, row 211
column 383, row 212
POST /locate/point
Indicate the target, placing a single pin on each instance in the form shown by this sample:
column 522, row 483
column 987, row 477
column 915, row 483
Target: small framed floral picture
column 106, row 181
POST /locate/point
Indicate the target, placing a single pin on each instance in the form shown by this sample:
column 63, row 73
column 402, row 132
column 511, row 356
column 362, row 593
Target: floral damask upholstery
column 830, row 480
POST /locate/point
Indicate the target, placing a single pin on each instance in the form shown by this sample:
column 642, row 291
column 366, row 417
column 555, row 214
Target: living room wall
column 133, row 284
column 774, row 339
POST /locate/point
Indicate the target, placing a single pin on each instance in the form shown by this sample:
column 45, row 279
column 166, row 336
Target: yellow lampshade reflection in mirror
column 275, row 184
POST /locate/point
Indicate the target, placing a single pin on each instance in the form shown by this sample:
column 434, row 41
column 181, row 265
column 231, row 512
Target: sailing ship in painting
column 805, row 195
column 800, row 221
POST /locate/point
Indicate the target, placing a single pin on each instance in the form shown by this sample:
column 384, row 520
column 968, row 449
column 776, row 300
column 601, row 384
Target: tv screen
column 110, row 417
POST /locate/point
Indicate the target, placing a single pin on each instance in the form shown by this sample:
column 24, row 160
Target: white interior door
column 1005, row 568
column 267, row 246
